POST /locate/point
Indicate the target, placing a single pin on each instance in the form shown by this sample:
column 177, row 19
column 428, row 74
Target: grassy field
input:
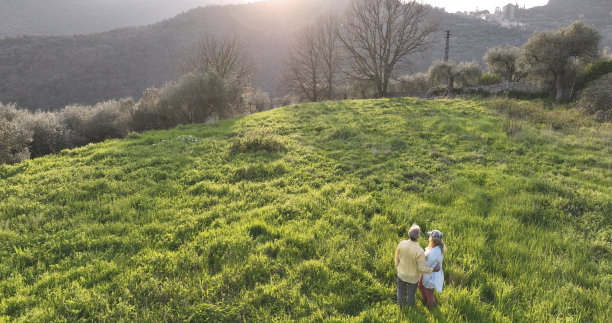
column 295, row 213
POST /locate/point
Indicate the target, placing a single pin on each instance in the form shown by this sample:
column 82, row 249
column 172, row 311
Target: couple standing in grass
column 419, row 269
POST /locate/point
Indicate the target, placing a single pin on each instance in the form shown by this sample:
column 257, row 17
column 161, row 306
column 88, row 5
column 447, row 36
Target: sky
column 471, row 5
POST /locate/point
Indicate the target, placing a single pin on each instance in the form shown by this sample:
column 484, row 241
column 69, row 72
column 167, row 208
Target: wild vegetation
column 294, row 214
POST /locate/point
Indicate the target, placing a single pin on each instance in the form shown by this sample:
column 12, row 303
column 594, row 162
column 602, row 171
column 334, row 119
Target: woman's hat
column 436, row 234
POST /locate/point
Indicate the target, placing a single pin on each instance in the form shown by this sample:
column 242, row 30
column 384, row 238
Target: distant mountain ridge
column 45, row 72
column 68, row 17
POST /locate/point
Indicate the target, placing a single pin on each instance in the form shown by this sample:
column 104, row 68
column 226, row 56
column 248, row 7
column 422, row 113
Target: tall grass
column 291, row 214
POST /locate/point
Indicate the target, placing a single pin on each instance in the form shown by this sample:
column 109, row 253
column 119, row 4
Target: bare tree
column 379, row 35
column 327, row 27
column 303, row 68
column 312, row 66
column 223, row 57
column 216, row 74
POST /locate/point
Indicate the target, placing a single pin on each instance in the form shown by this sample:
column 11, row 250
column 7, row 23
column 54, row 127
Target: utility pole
column 448, row 34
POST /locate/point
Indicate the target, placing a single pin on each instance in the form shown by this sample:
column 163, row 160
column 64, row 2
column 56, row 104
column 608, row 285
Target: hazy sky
column 471, row 5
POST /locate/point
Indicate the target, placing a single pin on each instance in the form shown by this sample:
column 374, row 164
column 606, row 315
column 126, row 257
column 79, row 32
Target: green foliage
column 15, row 136
column 561, row 117
column 450, row 74
column 597, row 98
column 489, row 79
column 203, row 223
column 550, row 57
column 504, row 60
column 259, row 139
column 413, row 84
column 594, row 71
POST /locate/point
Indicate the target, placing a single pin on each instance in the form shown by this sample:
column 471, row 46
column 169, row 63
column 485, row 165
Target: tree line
column 374, row 41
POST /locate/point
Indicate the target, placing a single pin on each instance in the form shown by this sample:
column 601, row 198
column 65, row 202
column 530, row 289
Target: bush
column 75, row 118
column 259, row 139
column 417, row 83
column 593, row 72
column 468, row 74
column 536, row 112
column 255, row 100
column 597, row 98
column 49, row 134
column 15, row 136
column 489, row 79
column 146, row 114
column 357, row 89
column 108, row 120
column 200, row 97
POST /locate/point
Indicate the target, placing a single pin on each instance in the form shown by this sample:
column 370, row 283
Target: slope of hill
column 69, row 17
column 295, row 213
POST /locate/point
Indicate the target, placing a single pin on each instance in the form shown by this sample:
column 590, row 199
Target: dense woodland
column 49, row 72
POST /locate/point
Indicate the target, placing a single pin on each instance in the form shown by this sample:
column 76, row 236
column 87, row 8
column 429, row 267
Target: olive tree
column 378, row 36
column 504, row 60
column 552, row 56
column 15, row 136
column 449, row 73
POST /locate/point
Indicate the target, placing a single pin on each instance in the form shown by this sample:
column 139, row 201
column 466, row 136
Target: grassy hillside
column 295, row 213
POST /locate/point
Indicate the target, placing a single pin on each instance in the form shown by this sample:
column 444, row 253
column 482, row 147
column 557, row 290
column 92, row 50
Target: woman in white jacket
column 434, row 254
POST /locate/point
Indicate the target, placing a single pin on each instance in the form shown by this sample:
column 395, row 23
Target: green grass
column 295, row 213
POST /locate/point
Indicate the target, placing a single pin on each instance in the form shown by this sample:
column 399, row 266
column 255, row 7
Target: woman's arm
column 434, row 257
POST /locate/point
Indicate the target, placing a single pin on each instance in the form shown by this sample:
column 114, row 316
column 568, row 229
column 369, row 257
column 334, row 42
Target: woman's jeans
column 428, row 294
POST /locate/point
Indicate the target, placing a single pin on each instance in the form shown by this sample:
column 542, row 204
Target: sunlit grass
column 295, row 214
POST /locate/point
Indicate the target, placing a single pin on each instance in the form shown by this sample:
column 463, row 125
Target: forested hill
column 68, row 17
column 45, row 72
column 559, row 13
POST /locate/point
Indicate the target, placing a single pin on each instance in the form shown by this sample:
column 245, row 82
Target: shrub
column 75, row 119
column 49, row 134
column 255, row 100
column 15, row 136
column 593, row 72
column 468, row 74
column 259, row 139
column 489, row 79
column 449, row 74
column 597, row 98
column 146, row 114
column 534, row 111
column 108, row 120
column 199, row 97
column 357, row 89
column 286, row 100
column 417, row 83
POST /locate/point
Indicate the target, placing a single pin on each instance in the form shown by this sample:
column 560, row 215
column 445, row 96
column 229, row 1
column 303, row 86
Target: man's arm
column 397, row 256
column 423, row 266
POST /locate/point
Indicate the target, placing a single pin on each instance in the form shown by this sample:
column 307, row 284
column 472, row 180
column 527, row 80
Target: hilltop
column 295, row 213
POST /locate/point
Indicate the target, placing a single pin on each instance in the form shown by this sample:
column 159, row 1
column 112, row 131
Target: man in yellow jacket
column 410, row 263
